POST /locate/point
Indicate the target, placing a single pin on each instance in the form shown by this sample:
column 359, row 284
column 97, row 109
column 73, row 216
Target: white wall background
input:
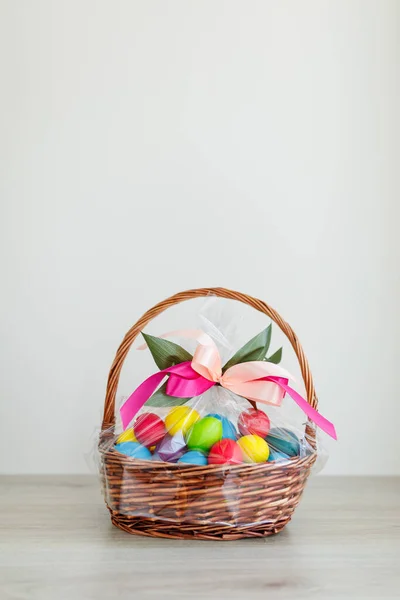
column 153, row 146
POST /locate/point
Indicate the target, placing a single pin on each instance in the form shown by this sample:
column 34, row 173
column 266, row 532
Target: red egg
column 149, row 429
column 254, row 422
column 225, row 452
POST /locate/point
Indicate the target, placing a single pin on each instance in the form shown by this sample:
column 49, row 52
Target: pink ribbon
column 256, row 380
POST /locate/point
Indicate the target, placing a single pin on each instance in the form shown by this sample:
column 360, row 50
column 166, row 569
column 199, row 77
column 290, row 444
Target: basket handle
column 113, row 378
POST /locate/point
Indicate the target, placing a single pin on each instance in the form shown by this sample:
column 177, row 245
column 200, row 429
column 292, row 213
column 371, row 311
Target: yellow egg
column 181, row 418
column 254, row 448
column 126, row 436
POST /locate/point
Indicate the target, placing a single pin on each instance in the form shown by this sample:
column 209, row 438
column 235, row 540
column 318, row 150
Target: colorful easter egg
column 204, row 434
column 283, row 440
column 274, row 455
column 126, row 436
column 228, row 428
column 254, row 422
column 181, row 418
column 149, row 429
column 134, row 450
column 193, row 457
column 226, row 452
column 171, row 447
column 254, row 448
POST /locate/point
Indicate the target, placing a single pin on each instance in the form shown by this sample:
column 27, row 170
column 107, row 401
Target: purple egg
column 171, row 448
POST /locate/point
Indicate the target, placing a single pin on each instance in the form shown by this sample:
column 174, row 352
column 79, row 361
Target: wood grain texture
column 57, row 543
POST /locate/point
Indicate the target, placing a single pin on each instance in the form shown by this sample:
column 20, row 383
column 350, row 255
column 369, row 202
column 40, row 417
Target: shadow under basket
column 211, row 502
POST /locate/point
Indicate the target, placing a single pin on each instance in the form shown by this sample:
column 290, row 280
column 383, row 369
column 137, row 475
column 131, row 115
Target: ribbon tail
column 311, row 413
column 138, row 398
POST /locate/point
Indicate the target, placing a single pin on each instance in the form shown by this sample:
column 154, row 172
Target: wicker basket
column 212, row 502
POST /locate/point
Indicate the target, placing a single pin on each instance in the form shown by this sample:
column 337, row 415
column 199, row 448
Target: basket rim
column 293, row 462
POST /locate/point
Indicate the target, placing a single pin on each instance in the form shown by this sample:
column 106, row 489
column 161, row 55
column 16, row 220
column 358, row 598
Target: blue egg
column 283, row 440
column 228, row 428
column 193, row 457
column 275, row 455
column 134, row 449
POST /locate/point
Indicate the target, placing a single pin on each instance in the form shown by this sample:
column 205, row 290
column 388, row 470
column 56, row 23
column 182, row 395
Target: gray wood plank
column 57, row 543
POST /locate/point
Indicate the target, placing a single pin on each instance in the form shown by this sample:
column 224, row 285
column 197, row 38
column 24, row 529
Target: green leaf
column 275, row 358
column 255, row 349
column 166, row 353
column 161, row 398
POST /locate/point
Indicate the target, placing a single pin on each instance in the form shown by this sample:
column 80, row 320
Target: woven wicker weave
column 212, row 502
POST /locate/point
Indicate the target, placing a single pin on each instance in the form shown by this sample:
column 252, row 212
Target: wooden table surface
column 57, row 543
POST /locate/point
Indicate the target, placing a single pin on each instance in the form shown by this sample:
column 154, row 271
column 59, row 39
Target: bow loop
column 206, row 359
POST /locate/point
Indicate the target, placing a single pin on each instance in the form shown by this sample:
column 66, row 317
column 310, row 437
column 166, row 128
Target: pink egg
column 149, row 429
column 254, row 422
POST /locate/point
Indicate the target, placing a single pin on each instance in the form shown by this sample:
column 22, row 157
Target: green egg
column 204, row 434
